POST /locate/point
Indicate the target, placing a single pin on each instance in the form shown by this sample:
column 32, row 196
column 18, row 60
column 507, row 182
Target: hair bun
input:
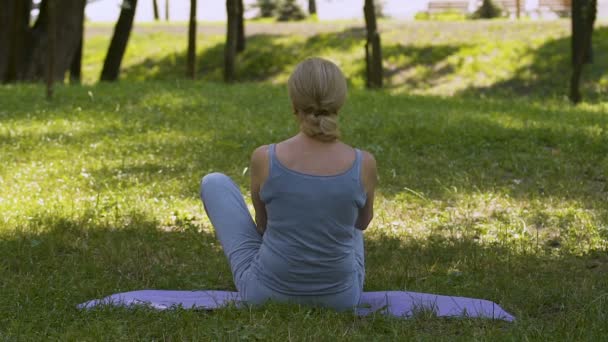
column 321, row 112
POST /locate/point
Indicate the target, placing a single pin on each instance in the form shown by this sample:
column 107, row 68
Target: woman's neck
column 302, row 137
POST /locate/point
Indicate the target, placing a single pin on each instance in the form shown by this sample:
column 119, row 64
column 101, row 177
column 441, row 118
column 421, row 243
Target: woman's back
column 313, row 157
column 312, row 207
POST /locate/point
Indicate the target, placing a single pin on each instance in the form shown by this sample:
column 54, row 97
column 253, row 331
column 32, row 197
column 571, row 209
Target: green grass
column 499, row 197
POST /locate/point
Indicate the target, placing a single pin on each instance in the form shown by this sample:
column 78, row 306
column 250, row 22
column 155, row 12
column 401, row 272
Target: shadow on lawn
column 548, row 75
column 417, row 67
column 56, row 263
column 270, row 55
column 98, row 254
column 266, row 56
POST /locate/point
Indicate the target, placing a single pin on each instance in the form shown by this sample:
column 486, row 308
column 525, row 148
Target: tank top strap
column 356, row 170
column 271, row 160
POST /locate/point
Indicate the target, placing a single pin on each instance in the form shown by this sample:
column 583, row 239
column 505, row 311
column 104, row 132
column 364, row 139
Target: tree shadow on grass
column 416, row 67
column 266, row 56
column 506, row 273
column 270, row 55
column 548, row 75
column 95, row 254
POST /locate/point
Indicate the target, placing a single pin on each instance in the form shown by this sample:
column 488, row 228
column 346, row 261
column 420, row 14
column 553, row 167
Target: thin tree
column 312, row 7
column 155, row 8
column 231, row 39
column 518, row 9
column 51, row 31
column 6, row 17
column 191, row 71
column 118, row 45
column 76, row 65
column 166, row 10
column 584, row 13
column 373, row 49
column 240, row 39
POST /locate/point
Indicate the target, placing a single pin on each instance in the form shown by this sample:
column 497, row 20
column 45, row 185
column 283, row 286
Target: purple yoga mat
column 400, row 304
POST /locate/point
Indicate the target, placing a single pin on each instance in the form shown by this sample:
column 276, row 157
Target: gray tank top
column 308, row 246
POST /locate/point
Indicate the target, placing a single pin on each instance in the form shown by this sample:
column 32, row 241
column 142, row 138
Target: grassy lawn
column 491, row 186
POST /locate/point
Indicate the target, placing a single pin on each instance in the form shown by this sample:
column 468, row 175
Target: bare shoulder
column 368, row 160
column 369, row 171
column 260, row 153
column 259, row 162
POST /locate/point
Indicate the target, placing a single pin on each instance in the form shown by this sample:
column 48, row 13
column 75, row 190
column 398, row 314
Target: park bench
column 448, row 6
column 560, row 7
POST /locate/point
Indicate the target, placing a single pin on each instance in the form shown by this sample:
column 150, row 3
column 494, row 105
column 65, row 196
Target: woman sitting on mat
column 313, row 196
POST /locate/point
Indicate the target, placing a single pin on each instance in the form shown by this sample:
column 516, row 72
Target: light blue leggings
column 240, row 240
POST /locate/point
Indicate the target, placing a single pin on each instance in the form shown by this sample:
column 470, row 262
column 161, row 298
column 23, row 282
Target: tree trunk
column 589, row 24
column 118, row 45
column 68, row 18
column 312, row 7
column 575, row 28
column 231, row 38
column 166, row 10
column 24, row 50
column 76, row 66
column 373, row 48
column 155, row 8
column 240, row 40
column 52, row 35
column 14, row 40
column 191, row 71
column 575, row 95
column 518, row 9
column 6, row 35
column 584, row 13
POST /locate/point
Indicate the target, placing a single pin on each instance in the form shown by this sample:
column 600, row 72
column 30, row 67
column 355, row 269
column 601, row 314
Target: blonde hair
column 317, row 89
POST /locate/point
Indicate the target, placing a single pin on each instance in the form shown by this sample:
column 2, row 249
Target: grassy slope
column 488, row 59
column 496, row 198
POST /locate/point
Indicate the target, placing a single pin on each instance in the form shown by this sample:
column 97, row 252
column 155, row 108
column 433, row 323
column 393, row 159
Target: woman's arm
column 258, row 169
column 369, row 178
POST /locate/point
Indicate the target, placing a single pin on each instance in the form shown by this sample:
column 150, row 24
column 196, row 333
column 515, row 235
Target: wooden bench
column 448, row 6
column 562, row 7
